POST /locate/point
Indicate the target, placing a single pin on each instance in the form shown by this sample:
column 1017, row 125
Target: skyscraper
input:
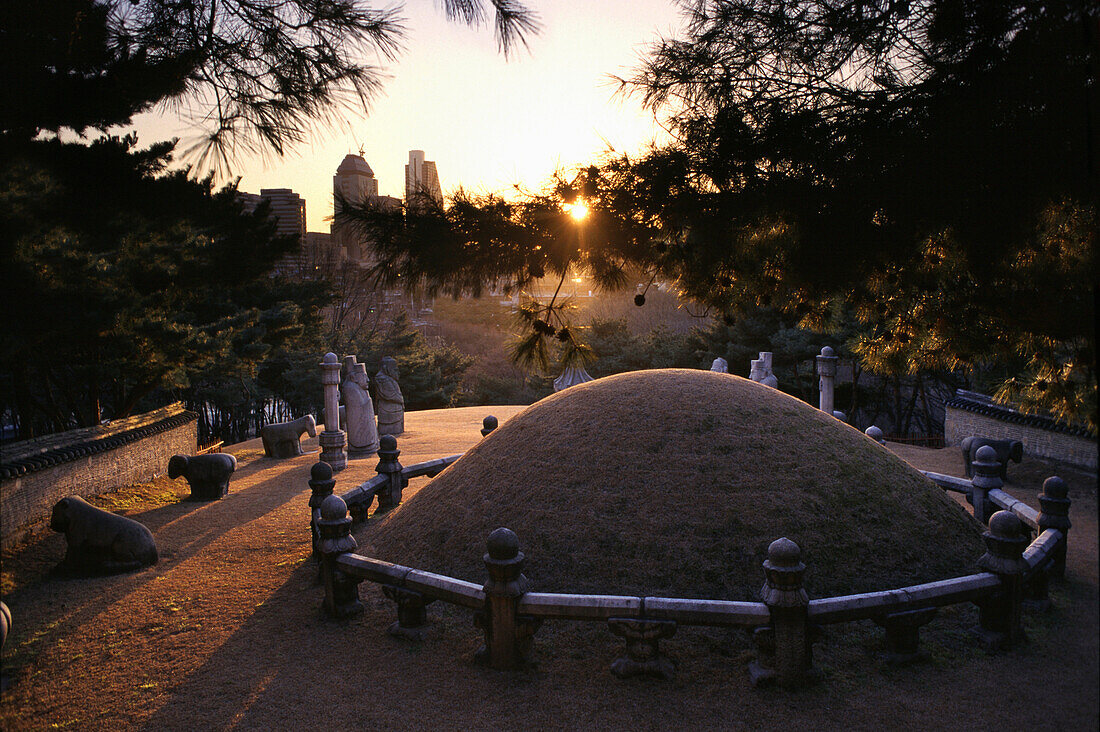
column 421, row 182
column 289, row 210
column 354, row 182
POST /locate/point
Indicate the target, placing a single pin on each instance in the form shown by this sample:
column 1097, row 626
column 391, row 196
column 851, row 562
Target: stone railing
column 1015, row 570
column 392, row 478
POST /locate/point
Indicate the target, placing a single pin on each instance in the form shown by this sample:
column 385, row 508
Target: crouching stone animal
column 1006, row 450
column 101, row 541
column 208, row 475
column 282, row 440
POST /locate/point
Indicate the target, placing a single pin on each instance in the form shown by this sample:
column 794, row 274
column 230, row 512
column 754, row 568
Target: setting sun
column 577, row 210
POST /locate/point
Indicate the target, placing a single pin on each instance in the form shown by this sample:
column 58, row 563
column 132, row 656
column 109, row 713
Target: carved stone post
column 508, row 636
column 987, row 476
column 411, row 613
column 788, row 640
column 332, row 439
column 1054, row 514
column 322, row 484
column 643, row 658
column 389, row 496
column 488, row 425
column 826, row 371
column 341, row 590
column 903, row 634
column 999, row 615
column 875, row 434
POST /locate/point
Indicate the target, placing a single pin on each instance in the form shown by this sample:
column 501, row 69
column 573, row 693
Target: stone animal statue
column 1006, row 450
column 208, row 475
column 101, row 541
column 282, row 440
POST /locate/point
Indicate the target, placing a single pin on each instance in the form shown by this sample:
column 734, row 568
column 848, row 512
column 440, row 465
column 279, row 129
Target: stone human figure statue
column 761, row 370
column 720, row 365
column 359, row 413
column 391, row 404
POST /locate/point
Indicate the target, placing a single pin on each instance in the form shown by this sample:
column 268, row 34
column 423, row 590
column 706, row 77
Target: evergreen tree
column 928, row 166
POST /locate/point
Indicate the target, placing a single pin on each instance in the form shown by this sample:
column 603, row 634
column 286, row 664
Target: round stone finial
column 387, row 443
column 333, row 508
column 489, row 423
column 828, row 351
column 1005, row 524
column 1054, row 487
column 875, row 434
column 330, row 357
column 502, row 544
column 320, row 472
column 784, row 553
column 986, row 454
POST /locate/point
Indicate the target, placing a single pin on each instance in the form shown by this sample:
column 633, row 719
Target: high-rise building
column 421, row 182
column 288, row 209
column 354, row 182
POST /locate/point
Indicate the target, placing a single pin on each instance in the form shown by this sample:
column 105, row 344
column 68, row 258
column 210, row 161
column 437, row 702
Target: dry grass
column 673, row 483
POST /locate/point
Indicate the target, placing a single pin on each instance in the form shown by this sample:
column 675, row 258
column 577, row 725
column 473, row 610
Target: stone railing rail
column 1015, row 567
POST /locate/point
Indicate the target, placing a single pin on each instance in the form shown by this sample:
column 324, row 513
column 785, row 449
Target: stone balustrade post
column 321, row 485
column 341, row 590
column 1054, row 514
column 786, row 644
column 488, row 425
column 999, row 615
column 389, row 496
column 508, row 636
column 987, row 477
column 826, row 371
column 332, row 439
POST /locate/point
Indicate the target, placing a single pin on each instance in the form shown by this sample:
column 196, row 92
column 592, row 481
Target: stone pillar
column 508, row 636
column 1054, row 514
column 787, row 643
column 903, row 634
column 826, row 371
column 875, row 434
column 389, row 496
column 488, row 425
column 412, row 615
column 643, row 658
column 321, row 483
column 987, row 477
column 999, row 615
column 332, row 440
column 341, row 590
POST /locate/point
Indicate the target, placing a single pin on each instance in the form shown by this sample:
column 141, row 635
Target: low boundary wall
column 971, row 414
column 35, row 474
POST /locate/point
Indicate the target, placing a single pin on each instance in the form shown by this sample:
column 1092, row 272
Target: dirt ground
column 226, row 632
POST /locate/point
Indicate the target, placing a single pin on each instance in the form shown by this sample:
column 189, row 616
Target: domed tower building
column 355, row 182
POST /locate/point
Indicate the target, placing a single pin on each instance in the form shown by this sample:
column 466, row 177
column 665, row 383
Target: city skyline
column 489, row 123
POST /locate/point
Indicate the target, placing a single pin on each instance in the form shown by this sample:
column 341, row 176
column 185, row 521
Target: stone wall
column 970, row 415
column 36, row 474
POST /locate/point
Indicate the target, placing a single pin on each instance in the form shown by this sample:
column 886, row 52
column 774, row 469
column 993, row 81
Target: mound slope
column 673, row 482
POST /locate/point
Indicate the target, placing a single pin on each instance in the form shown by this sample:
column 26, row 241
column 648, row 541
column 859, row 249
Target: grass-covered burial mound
column 673, row 482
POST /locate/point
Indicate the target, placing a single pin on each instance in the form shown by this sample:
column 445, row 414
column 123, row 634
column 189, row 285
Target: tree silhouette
column 928, row 166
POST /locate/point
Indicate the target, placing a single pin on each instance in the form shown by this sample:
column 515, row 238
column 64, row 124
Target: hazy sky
column 488, row 123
